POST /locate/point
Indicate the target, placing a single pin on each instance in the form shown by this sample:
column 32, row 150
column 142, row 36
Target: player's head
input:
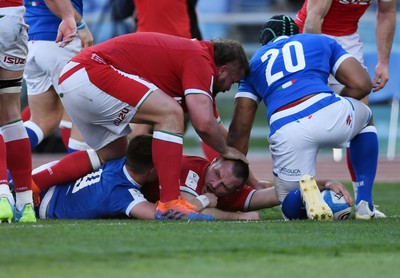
column 232, row 64
column 276, row 26
column 139, row 156
column 224, row 176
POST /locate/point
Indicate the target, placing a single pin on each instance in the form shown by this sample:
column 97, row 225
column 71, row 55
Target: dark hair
column 276, row 26
column 240, row 170
column 139, row 154
column 227, row 51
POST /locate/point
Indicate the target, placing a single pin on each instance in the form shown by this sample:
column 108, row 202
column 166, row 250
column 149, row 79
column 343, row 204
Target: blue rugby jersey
column 43, row 24
column 106, row 193
column 290, row 68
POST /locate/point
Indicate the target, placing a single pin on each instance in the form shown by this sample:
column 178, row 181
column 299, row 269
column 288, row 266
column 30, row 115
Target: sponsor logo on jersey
column 192, row 180
column 121, row 116
column 13, row 60
column 97, row 58
column 289, row 172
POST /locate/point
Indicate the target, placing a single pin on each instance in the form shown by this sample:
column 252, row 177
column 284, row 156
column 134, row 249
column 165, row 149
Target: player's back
column 94, row 195
column 172, row 63
column 290, row 68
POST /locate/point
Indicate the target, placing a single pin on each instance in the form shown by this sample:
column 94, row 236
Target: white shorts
column 101, row 116
column 299, row 132
column 13, row 38
column 45, row 62
column 353, row 45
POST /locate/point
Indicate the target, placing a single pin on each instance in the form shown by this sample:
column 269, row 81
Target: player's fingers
column 66, row 40
column 59, row 36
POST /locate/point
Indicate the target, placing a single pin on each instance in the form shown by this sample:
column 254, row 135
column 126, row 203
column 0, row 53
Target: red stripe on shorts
column 69, row 72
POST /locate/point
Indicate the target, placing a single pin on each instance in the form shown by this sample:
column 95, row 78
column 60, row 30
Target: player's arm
column 206, row 200
column 84, row 33
column 203, row 121
column 355, row 78
column 316, row 12
column 337, row 187
column 263, row 198
column 144, row 210
column 230, row 215
column 67, row 29
column 241, row 124
column 209, row 208
column 384, row 32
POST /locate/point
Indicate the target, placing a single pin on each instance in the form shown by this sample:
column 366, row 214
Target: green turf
column 267, row 248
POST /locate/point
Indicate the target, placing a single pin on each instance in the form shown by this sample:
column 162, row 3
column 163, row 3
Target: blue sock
column 34, row 132
column 293, row 206
column 364, row 150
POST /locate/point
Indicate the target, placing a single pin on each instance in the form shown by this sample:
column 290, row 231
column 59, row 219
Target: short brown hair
column 228, row 51
column 139, row 155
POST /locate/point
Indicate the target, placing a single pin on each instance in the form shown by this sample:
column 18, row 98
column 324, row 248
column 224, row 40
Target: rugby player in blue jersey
column 289, row 73
column 44, row 63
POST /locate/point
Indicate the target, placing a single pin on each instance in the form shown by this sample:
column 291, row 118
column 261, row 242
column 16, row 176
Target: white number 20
column 273, row 53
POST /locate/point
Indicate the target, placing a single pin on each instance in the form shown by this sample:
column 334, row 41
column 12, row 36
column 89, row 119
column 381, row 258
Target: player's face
column 219, row 178
column 227, row 75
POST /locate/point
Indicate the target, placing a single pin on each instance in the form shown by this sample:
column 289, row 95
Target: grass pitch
column 267, row 248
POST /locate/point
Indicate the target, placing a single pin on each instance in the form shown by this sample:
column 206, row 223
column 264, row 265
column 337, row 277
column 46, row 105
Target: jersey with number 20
column 290, row 68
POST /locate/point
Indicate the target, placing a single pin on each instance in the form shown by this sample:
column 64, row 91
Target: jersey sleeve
column 246, row 90
column 124, row 199
column 338, row 56
column 198, row 76
column 237, row 201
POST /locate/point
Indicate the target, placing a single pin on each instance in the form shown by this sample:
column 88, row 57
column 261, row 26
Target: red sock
column 3, row 162
column 65, row 134
column 70, row 168
column 26, row 114
column 167, row 157
column 19, row 163
column 350, row 166
column 209, row 152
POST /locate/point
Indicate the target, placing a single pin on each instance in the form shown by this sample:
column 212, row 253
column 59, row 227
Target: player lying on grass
column 117, row 189
column 217, row 186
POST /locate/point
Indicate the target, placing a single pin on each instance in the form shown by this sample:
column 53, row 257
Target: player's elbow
column 363, row 87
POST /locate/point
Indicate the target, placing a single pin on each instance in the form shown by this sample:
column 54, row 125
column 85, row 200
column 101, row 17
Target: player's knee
column 10, row 85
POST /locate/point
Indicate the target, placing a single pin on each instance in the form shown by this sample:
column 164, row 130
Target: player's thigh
column 293, row 152
column 46, row 108
column 161, row 110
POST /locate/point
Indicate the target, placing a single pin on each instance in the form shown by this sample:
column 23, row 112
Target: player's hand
column 233, row 153
column 337, row 187
column 212, row 198
column 66, row 31
column 381, row 77
column 86, row 37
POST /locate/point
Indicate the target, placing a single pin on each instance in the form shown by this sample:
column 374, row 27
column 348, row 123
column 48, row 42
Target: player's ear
column 152, row 173
column 222, row 71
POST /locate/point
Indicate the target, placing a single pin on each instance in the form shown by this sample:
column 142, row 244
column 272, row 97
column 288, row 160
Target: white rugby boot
column 316, row 207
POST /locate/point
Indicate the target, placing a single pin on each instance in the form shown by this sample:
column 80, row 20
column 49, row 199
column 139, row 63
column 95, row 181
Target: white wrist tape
column 203, row 200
